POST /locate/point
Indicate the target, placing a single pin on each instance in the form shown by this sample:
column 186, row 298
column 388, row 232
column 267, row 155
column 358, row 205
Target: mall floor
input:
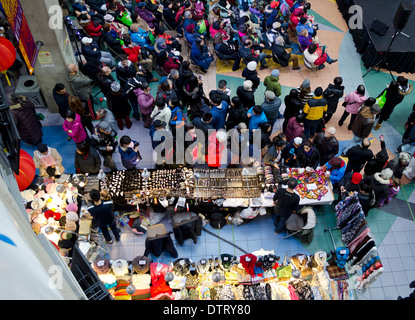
column 393, row 225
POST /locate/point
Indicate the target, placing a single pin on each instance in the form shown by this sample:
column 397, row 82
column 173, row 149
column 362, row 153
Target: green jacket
column 272, row 84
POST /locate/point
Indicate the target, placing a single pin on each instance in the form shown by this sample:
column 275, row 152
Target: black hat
column 41, row 147
column 159, row 124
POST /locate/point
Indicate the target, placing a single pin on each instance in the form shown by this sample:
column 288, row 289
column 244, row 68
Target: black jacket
column 282, row 55
column 253, row 76
column 222, row 95
column 235, row 117
column 358, row 157
column 332, row 94
column 327, row 148
column 292, row 107
column 113, row 43
column 304, row 160
column 62, row 102
column 247, row 97
column 124, row 74
column 379, row 186
column 378, row 161
column 90, row 164
column 158, row 245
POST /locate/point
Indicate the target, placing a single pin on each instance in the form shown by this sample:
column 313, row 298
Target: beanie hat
column 298, row 141
column 42, row 147
column 404, row 157
column 104, row 125
column 115, row 86
column 190, row 28
column 251, row 65
column 375, row 108
column 274, row 4
column 120, row 267
column 275, row 73
column 247, row 85
column 306, row 83
column 270, row 95
column 335, row 162
column 386, row 174
column 356, row 178
column 141, row 264
column 161, row 42
column 86, row 40
column 108, row 17
column 101, row 266
column 52, row 214
column 276, row 25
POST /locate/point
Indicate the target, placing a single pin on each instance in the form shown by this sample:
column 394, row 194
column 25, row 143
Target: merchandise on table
column 259, row 275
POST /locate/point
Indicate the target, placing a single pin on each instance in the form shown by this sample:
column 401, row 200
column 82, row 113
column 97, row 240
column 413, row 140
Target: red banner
column 18, row 23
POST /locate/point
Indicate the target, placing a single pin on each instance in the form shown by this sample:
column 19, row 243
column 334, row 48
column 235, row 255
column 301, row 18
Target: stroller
column 302, row 224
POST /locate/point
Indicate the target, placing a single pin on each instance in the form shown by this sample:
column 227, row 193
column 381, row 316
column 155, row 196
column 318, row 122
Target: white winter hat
column 86, row 40
column 298, row 141
column 251, row 65
column 115, row 86
column 386, row 174
column 221, row 135
column 247, row 85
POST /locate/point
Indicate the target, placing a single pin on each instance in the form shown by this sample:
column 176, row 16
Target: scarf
column 308, row 154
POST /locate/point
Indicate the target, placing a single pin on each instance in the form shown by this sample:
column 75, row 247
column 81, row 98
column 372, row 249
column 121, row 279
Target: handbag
column 381, row 100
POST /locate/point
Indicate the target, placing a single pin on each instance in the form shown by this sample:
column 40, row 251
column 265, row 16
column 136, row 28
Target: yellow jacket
column 315, row 108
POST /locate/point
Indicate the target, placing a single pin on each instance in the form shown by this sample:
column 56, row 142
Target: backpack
column 217, row 220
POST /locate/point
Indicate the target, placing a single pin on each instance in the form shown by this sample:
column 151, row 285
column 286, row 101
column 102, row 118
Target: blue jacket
column 139, row 37
column 337, row 174
column 129, row 158
column 219, row 115
column 302, row 26
column 202, row 59
column 256, row 121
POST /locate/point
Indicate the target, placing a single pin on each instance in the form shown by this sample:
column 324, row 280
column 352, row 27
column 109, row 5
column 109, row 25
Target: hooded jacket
column 336, row 174
column 362, row 126
column 380, row 186
column 354, row 101
column 78, row 133
column 219, row 115
column 294, row 129
column 272, row 84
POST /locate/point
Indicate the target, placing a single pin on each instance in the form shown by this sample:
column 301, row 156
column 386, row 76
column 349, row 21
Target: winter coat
column 315, row 108
column 125, row 73
column 332, row 95
column 200, row 57
column 362, row 126
column 81, row 85
column 294, row 129
column 226, row 52
column 89, row 52
column 292, row 107
column 271, row 109
column 112, row 42
column 377, row 163
column 91, row 163
column 327, row 148
column 358, row 157
column 42, row 169
column 305, row 41
column 129, row 157
column 62, row 102
column 253, row 76
column 247, row 97
column 304, row 160
column 78, row 133
column 397, row 167
column 162, row 115
column 272, row 84
column 92, row 30
column 380, row 187
column 235, row 117
column 147, row 16
column 219, row 115
column 317, row 58
column 255, row 121
column 145, row 101
column 336, row 174
column 121, row 107
column 354, row 101
column 219, row 93
column 392, row 100
column 346, row 182
column 288, row 154
column 27, row 124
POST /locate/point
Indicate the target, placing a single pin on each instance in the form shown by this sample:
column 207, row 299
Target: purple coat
column 147, row 16
column 294, row 129
column 145, row 101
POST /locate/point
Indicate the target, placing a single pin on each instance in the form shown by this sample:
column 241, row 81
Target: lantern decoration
column 7, row 54
column 27, row 171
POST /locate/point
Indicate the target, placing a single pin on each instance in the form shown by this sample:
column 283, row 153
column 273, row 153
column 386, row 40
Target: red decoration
column 7, row 54
column 27, row 171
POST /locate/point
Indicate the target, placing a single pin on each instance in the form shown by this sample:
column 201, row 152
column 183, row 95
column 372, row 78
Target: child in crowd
column 393, row 190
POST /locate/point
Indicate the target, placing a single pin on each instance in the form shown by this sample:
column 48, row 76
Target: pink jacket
column 354, row 101
column 145, row 101
column 78, row 132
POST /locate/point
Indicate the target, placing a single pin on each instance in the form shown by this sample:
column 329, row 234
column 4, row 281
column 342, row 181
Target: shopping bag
column 381, row 100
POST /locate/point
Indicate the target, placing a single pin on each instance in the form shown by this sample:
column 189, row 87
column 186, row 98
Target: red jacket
column 92, row 30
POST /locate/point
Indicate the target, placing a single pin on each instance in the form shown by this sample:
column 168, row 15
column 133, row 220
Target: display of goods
column 312, row 183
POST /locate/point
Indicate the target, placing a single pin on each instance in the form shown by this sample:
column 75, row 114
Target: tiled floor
column 393, row 225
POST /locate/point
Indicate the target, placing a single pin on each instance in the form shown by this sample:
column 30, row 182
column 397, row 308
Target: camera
column 136, row 144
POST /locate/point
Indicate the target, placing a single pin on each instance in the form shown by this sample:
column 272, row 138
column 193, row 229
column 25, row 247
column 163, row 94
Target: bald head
column 72, row 67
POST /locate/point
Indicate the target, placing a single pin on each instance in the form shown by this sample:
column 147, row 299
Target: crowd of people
column 137, row 42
